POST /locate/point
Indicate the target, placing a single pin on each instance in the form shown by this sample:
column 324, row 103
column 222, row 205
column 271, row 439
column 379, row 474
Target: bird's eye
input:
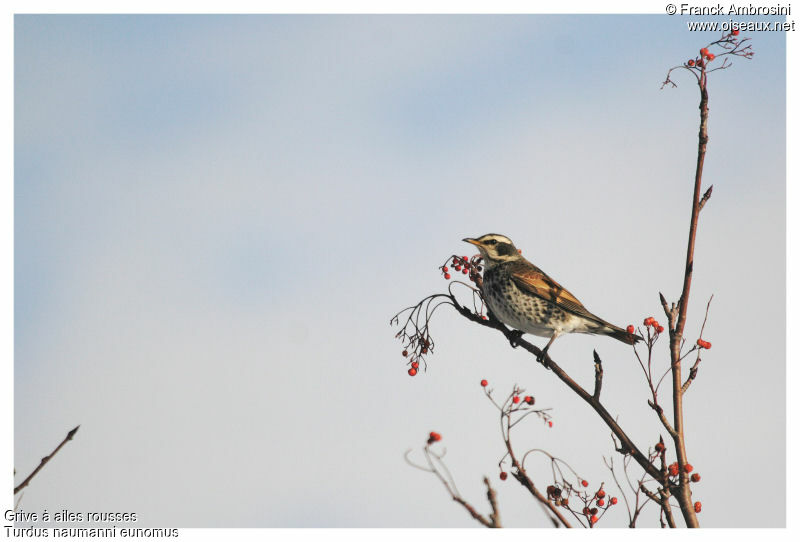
column 491, row 242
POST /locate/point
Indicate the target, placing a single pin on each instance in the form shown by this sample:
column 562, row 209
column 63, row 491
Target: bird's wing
column 533, row 280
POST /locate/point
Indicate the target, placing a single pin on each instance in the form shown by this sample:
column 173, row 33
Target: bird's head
column 495, row 249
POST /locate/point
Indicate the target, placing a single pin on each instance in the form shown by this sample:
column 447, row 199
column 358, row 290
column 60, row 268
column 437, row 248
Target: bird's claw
column 543, row 359
column 516, row 336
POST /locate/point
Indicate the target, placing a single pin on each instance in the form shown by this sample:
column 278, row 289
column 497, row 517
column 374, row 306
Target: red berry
column 515, row 399
column 708, row 345
column 458, row 268
column 691, row 63
column 584, row 483
column 688, row 467
column 530, row 400
column 710, row 57
column 550, row 424
column 735, row 33
column 660, row 329
column 695, row 477
column 415, row 365
column 673, row 469
column 601, row 494
column 703, row 52
column 434, row 436
column 649, row 321
column 698, row 507
column 613, row 500
column 465, row 270
column 660, row 447
column 586, row 510
column 412, row 372
column 631, row 329
column 593, row 519
column 447, row 276
column 503, row 475
column 700, row 343
column 601, row 502
column 484, row 383
column 444, row 269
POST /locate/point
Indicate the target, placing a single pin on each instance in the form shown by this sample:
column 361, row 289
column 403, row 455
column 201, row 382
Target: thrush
column 524, row 297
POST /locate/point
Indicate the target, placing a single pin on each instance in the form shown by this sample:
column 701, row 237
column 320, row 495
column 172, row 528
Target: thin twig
column 598, row 376
column 45, row 459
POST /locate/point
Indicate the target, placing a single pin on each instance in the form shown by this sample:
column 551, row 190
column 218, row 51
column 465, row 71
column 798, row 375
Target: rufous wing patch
column 533, row 280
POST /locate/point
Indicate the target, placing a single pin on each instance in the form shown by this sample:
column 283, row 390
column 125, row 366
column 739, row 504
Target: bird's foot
column 543, row 359
column 516, row 336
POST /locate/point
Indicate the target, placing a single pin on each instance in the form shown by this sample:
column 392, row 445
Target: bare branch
column 598, row 376
column 45, row 459
column 491, row 495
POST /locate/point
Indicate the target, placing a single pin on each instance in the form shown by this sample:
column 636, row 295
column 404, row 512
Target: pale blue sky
column 216, row 217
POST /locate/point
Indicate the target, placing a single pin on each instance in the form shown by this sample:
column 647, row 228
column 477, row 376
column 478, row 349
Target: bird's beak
column 472, row 241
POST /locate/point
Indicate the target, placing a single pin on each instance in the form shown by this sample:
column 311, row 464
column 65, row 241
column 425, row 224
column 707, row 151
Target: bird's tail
column 620, row 334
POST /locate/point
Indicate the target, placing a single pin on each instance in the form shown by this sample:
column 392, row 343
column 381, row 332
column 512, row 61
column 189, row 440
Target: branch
column 476, row 515
column 434, row 464
column 662, row 417
column 522, row 477
column 693, row 370
column 491, row 495
column 45, row 459
column 598, row 376
column 626, row 444
column 662, row 501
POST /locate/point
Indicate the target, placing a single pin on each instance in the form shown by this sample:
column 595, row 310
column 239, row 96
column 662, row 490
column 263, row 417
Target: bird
column 525, row 298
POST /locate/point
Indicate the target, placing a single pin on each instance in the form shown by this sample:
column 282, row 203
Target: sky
column 217, row 216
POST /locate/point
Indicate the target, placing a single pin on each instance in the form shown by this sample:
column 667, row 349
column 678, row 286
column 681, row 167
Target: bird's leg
column 516, row 335
column 542, row 357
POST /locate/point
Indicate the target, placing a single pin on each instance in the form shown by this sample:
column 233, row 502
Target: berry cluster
column 652, row 322
column 467, row 266
column 703, row 344
column 674, row 469
column 516, row 403
column 728, row 41
column 420, row 349
column 554, row 493
column 593, row 504
column 702, row 60
column 528, row 399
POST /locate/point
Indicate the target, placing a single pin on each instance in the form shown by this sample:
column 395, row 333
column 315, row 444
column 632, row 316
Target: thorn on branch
column 705, row 197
